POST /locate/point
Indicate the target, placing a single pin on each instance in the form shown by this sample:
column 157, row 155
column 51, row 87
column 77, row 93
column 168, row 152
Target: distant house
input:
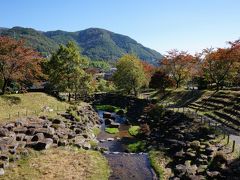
column 108, row 75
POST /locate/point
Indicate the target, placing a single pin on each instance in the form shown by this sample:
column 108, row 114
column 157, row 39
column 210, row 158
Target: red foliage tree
column 178, row 65
column 161, row 81
column 219, row 64
column 148, row 70
column 18, row 63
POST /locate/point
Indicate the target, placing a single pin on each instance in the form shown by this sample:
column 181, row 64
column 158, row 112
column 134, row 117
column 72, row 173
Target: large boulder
column 114, row 125
column 107, row 115
column 44, row 144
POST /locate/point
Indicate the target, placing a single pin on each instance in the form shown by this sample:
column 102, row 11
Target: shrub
column 138, row 146
column 112, row 130
column 218, row 161
column 134, row 130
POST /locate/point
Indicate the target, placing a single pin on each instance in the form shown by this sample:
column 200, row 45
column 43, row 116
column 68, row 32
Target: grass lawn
column 112, row 130
column 158, row 161
column 28, row 103
column 108, row 108
column 138, row 146
column 134, row 130
column 60, row 163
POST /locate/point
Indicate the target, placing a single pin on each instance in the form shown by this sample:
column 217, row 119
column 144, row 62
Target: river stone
column 110, row 139
column 107, row 115
column 1, row 171
column 108, row 121
column 114, row 125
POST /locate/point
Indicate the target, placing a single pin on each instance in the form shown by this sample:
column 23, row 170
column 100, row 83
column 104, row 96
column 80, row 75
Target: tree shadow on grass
column 11, row 99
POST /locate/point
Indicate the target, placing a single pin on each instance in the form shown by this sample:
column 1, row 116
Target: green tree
column 130, row 75
column 101, row 65
column 66, row 70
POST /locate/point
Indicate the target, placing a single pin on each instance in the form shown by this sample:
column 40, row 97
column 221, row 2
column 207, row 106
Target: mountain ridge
column 96, row 43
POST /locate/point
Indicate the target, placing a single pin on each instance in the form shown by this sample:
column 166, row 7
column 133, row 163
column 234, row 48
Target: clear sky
column 159, row 24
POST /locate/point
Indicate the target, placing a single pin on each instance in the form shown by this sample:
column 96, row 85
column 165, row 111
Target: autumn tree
column 219, row 64
column 148, row 70
column 130, row 75
column 160, row 80
column 66, row 70
column 18, row 63
column 177, row 64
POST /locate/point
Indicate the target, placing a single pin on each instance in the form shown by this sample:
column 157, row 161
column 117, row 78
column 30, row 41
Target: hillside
column 23, row 103
column 95, row 43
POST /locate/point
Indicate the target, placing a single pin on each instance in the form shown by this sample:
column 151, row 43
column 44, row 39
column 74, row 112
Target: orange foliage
column 17, row 62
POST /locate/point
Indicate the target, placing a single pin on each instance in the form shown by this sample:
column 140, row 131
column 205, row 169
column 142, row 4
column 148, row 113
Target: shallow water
column 124, row 165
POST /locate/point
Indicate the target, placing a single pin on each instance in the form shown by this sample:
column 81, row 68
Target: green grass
column 28, row 104
column 109, row 108
column 138, row 146
column 112, row 130
column 158, row 161
column 96, row 131
column 60, row 163
column 134, row 130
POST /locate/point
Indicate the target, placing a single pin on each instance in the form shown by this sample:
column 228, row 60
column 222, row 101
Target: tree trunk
column 4, row 86
column 69, row 97
column 177, row 84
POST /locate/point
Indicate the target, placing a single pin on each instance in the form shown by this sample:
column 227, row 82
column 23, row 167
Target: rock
column 4, row 157
column 62, row 142
column 3, row 132
column 180, row 169
column 4, row 164
column 190, row 155
column 86, row 146
column 1, row 171
column 44, row 144
column 56, row 121
column 20, row 137
column 10, row 126
column 78, row 131
column 114, row 125
column 30, row 131
column 201, row 168
column 20, row 130
column 120, row 112
column 209, row 150
column 213, row 174
column 55, row 139
column 38, row 137
column 179, row 154
column 28, row 138
column 71, row 135
column 108, row 121
column 107, row 115
column 110, row 139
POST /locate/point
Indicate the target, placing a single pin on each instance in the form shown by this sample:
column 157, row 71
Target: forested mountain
column 97, row 44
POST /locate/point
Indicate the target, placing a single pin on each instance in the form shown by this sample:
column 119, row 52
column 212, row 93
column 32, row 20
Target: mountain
column 97, row 44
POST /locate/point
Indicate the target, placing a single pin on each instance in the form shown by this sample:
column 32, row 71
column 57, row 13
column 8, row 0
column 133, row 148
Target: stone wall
column 43, row 133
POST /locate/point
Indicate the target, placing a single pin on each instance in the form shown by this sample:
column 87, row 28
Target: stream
column 124, row 165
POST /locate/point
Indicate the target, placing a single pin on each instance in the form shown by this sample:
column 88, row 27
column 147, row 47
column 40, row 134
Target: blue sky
column 159, row 24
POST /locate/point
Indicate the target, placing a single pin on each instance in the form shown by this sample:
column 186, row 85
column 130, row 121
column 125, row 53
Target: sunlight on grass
column 112, row 130
column 29, row 104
